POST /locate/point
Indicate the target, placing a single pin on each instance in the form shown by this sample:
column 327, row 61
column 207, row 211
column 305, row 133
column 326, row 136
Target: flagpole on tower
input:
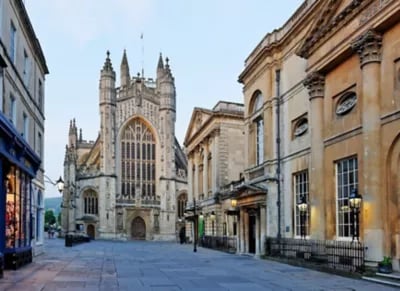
column 141, row 38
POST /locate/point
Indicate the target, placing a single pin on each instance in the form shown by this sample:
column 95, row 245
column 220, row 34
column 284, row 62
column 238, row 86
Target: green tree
column 49, row 217
column 59, row 218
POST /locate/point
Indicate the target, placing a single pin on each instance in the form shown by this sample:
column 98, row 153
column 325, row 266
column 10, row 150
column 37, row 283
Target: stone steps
column 392, row 279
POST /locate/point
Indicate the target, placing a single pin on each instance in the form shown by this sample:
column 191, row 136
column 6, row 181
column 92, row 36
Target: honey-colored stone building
column 322, row 103
column 214, row 145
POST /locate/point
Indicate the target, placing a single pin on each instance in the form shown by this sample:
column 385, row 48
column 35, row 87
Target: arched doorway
column 138, row 228
column 90, row 231
column 391, row 201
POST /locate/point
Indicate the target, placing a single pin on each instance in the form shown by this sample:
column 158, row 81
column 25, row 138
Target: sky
column 207, row 42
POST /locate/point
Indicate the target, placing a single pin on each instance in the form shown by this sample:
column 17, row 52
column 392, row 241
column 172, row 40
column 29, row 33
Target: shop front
column 18, row 166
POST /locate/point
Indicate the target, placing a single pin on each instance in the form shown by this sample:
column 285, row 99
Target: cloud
column 84, row 21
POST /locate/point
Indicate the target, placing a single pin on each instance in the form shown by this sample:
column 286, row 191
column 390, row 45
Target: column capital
column 368, row 46
column 315, row 83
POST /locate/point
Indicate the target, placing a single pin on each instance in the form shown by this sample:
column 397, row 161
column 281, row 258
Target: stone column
column 241, row 232
column 190, row 178
column 215, row 171
column 257, row 234
column 196, row 175
column 205, row 169
column 368, row 47
column 315, row 84
column 263, row 227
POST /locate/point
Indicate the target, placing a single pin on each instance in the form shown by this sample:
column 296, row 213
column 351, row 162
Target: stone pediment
column 331, row 17
column 198, row 119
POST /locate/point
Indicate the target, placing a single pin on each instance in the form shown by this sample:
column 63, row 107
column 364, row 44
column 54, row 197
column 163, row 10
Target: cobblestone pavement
column 141, row 265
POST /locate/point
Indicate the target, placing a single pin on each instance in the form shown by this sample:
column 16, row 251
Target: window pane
column 346, row 180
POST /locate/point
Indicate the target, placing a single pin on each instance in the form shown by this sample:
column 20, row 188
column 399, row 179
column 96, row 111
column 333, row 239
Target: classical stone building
column 130, row 182
column 22, row 78
column 322, row 120
column 214, row 145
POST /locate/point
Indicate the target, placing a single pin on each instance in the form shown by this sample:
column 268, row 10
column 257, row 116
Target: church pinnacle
column 107, row 64
column 160, row 65
column 125, row 75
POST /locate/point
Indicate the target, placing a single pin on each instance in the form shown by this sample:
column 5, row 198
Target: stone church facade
column 126, row 184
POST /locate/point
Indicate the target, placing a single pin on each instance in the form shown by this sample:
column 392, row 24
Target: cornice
column 322, row 32
column 274, row 41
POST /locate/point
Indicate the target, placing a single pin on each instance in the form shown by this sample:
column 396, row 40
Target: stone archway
column 138, row 228
column 91, row 231
column 392, row 199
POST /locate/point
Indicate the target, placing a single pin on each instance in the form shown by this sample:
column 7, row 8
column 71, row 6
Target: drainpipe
column 278, row 148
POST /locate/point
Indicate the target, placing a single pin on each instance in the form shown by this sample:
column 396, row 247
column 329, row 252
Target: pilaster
column 205, row 168
column 315, row 84
column 215, row 162
column 190, row 177
column 368, row 47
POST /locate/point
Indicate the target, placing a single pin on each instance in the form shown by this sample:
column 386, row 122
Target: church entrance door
column 90, row 231
column 138, row 228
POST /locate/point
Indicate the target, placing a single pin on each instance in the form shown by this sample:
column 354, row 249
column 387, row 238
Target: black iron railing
column 221, row 243
column 339, row 255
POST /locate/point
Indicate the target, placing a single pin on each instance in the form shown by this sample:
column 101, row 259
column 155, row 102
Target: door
column 252, row 234
column 138, row 228
column 90, row 231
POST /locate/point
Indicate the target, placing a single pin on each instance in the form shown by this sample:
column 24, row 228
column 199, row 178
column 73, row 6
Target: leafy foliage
column 49, row 217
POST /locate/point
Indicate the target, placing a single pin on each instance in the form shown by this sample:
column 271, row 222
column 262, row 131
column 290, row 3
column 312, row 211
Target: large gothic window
column 90, row 200
column 138, row 161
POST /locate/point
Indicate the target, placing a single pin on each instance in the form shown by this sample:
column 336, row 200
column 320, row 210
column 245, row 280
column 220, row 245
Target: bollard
column 68, row 240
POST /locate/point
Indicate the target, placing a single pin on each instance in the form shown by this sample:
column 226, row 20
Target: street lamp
column 355, row 201
column 60, row 184
column 303, row 207
column 194, row 226
column 233, row 202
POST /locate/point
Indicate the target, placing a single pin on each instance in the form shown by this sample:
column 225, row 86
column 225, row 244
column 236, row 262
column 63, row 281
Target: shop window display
column 17, row 209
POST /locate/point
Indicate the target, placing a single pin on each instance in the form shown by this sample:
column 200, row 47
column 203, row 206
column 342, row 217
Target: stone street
column 147, row 265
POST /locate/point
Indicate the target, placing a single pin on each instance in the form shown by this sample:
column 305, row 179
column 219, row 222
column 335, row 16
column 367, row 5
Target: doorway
column 90, row 231
column 138, row 229
column 252, row 234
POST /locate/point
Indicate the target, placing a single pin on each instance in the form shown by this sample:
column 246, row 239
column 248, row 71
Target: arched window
column 91, row 204
column 257, row 104
column 138, row 161
column 182, row 201
column 257, row 101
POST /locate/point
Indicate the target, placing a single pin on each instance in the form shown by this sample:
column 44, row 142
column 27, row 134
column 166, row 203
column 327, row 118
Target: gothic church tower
column 127, row 181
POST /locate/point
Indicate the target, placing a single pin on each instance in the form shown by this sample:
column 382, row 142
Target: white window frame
column 26, row 72
column 301, row 186
column 13, row 110
column 25, row 132
column 40, row 94
column 259, row 141
column 40, row 145
column 346, row 180
column 13, row 42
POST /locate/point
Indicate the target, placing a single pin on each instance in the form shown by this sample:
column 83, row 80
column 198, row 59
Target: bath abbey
column 130, row 183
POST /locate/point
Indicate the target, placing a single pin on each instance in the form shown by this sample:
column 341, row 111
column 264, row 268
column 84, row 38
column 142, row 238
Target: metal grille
column 222, row 243
column 338, row 255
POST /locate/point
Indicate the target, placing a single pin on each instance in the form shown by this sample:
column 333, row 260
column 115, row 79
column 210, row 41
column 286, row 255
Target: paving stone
column 141, row 265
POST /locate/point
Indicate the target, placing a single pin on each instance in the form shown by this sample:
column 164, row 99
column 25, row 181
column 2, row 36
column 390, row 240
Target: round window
column 301, row 127
column 346, row 103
